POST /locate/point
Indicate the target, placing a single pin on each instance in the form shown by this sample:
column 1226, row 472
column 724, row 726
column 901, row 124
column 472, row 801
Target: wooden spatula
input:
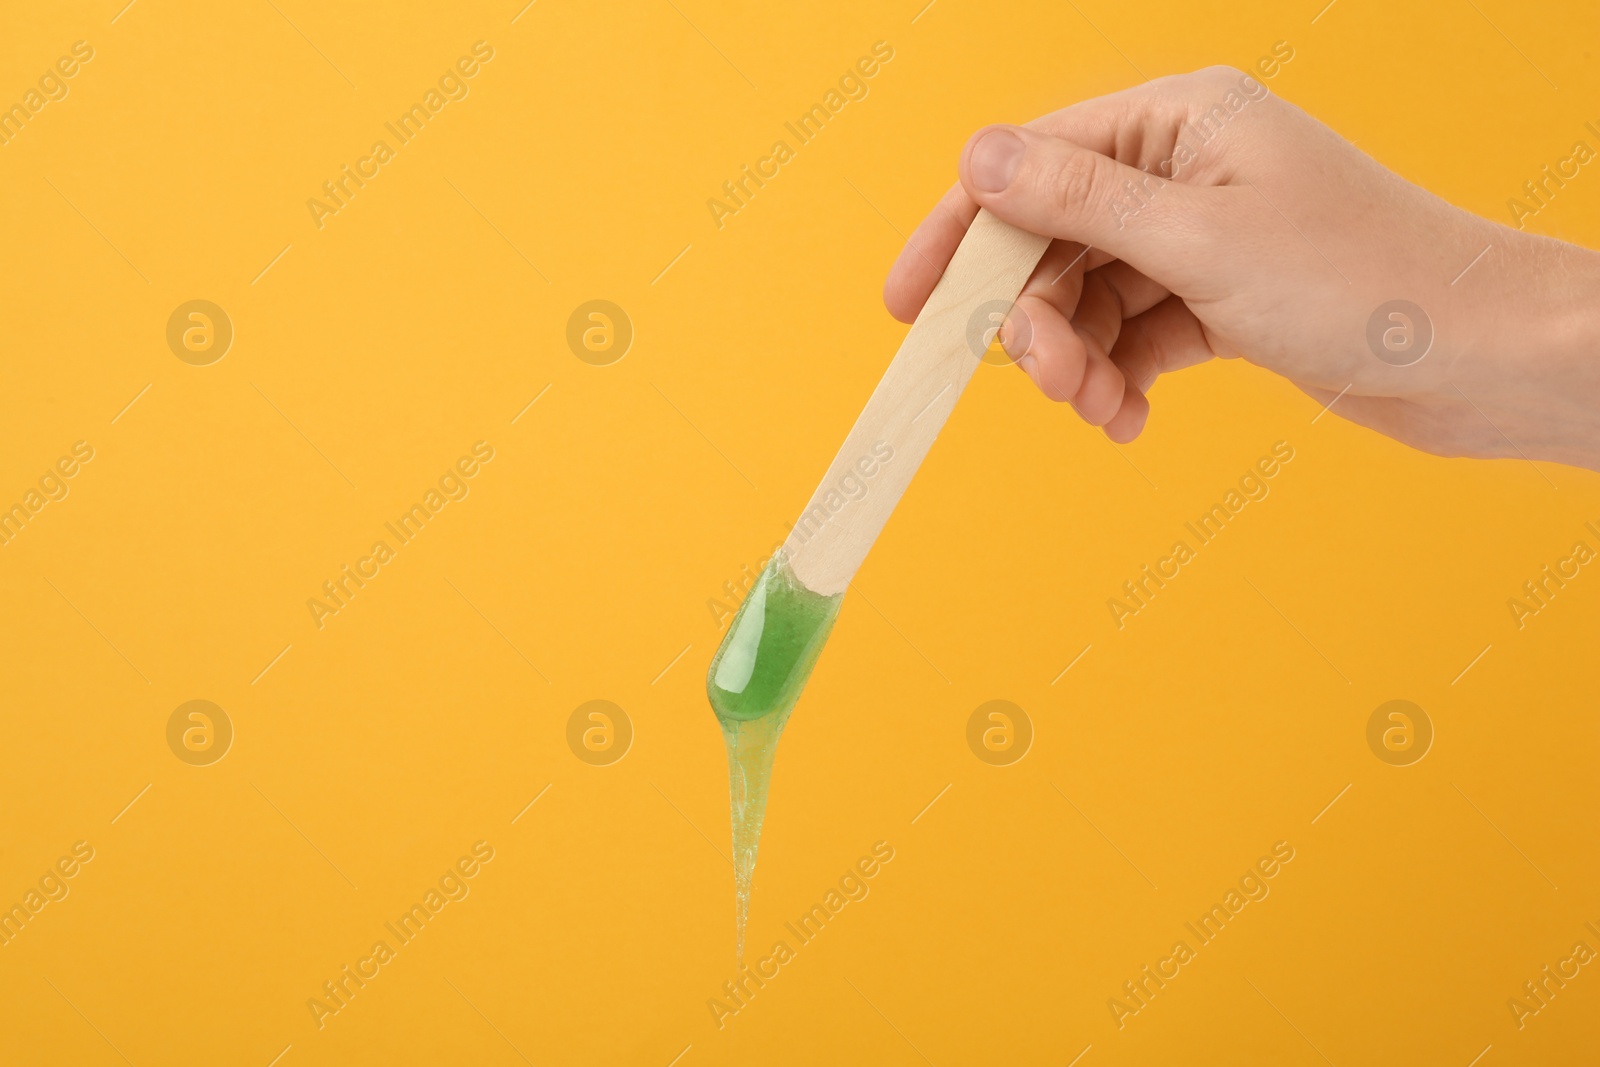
column 912, row 402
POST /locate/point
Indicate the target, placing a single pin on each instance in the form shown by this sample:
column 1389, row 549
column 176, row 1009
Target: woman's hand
column 1199, row 216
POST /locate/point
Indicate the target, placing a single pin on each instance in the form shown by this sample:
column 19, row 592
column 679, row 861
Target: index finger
column 922, row 261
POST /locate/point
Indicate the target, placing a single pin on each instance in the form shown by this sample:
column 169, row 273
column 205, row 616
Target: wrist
column 1534, row 370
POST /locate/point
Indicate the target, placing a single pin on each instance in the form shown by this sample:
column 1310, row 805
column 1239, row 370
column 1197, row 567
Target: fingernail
column 1016, row 334
column 995, row 159
column 1030, row 367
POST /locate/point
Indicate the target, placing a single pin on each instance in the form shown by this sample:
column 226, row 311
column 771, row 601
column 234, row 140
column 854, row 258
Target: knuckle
column 1221, row 74
column 1074, row 179
column 1196, row 84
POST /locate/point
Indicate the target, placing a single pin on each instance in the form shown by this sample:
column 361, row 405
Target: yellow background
column 427, row 714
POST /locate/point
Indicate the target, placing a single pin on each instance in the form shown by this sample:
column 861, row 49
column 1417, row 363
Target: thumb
column 1165, row 229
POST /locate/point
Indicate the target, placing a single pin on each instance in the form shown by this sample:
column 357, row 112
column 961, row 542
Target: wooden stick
column 911, row 403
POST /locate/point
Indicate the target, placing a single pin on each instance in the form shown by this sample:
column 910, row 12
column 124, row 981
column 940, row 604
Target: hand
column 1200, row 216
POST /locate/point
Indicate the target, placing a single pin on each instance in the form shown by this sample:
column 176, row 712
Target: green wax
column 754, row 680
column 771, row 647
